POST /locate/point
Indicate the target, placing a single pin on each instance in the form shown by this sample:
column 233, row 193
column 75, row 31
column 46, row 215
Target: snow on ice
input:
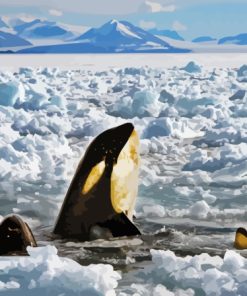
column 45, row 273
column 192, row 124
column 207, row 275
column 192, row 117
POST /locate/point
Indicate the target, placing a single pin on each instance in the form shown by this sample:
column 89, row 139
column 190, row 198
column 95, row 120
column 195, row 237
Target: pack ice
column 45, row 273
column 192, row 124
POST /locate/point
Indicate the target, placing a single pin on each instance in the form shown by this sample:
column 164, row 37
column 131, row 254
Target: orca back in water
column 104, row 188
column 15, row 236
column 240, row 239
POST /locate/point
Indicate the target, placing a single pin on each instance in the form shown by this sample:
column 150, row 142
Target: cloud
column 55, row 12
column 91, row 7
column 177, row 26
column 94, row 7
column 146, row 25
column 150, row 6
column 23, row 16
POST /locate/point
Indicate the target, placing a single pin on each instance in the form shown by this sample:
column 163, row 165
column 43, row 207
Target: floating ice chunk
column 190, row 107
column 169, row 112
column 218, row 158
column 154, row 211
column 216, row 282
column 45, row 272
column 132, row 71
column 216, row 114
column 97, row 85
column 202, row 273
column 242, row 73
column 57, row 101
column 11, row 92
column 166, row 97
column 192, row 67
column 239, row 95
column 143, row 104
column 209, row 198
column 233, row 261
column 163, row 127
column 157, row 290
column 158, row 128
column 200, row 209
column 50, row 72
column 160, row 290
column 28, row 72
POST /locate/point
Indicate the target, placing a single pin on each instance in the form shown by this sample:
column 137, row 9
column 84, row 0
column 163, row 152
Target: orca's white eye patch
column 124, row 178
column 93, row 177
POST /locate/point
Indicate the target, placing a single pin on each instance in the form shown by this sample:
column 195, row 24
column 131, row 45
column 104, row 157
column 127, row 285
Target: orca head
column 108, row 145
column 114, row 154
column 15, row 235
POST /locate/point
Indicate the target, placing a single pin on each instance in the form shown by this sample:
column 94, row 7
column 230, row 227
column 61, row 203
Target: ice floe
column 191, row 123
column 45, row 273
column 204, row 274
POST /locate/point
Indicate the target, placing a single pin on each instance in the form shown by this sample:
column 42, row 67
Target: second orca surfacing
column 101, row 198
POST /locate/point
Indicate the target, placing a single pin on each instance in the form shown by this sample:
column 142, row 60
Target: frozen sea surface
column 191, row 118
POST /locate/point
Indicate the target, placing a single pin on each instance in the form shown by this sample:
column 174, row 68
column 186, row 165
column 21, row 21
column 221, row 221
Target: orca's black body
column 88, row 202
column 15, row 236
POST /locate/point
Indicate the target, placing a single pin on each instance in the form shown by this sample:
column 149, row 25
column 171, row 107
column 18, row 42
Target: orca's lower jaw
column 120, row 225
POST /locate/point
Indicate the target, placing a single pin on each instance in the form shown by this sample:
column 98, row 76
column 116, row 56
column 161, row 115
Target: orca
column 101, row 197
column 15, row 236
column 240, row 239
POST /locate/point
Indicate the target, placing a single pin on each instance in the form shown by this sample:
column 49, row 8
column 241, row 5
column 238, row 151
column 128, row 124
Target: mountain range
column 11, row 40
column 2, row 23
column 240, row 39
column 204, row 39
column 42, row 29
column 167, row 33
column 113, row 37
column 43, row 36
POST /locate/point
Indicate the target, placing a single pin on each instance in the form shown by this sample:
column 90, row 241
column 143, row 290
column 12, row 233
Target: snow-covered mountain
column 167, row 33
column 2, row 24
column 123, row 36
column 240, row 39
column 42, row 29
column 204, row 39
column 12, row 40
column 15, row 21
column 113, row 37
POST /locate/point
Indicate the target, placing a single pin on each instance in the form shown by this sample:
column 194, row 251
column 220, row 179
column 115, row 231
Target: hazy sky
column 191, row 18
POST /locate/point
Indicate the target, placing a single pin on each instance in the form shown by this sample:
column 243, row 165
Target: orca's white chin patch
column 124, row 178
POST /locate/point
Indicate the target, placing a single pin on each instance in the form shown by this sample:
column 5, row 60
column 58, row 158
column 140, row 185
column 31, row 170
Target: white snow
column 125, row 31
column 45, row 273
column 212, row 276
column 190, row 129
column 107, row 62
column 193, row 158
